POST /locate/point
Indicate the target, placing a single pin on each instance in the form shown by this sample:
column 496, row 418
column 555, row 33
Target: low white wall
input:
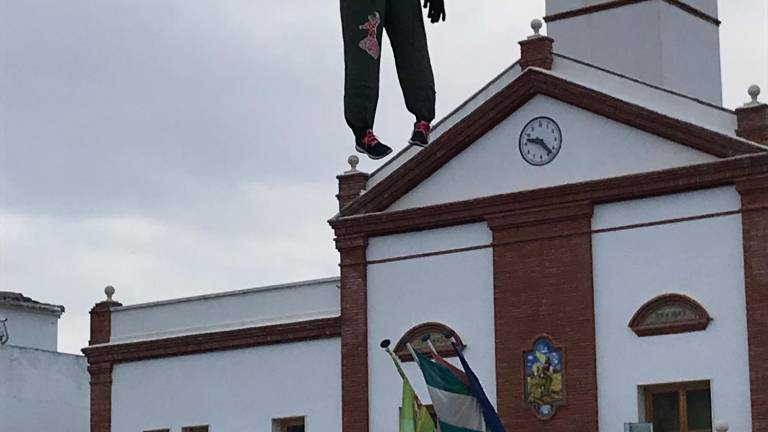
column 232, row 391
column 43, row 391
column 31, row 329
column 454, row 289
column 700, row 258
column 257, row 306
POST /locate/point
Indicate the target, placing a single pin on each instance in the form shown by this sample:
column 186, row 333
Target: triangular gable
column 593, row 148
column 506, row 102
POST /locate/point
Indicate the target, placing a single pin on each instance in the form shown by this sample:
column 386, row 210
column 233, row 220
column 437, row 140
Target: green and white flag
column 414, row 416
column 456, row 407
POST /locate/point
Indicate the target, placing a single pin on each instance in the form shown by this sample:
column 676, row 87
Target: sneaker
column 420, row 135
column 369, row 144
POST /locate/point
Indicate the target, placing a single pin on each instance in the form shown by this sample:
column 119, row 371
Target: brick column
column 354, row 333
column 542, row 270
column 101, row 372
column 101, row 396
column 536, row 50
column 754, row 204
column 752, row 118
column 351, row 183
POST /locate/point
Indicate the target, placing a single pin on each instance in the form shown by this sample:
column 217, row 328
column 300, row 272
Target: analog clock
column 540, row 141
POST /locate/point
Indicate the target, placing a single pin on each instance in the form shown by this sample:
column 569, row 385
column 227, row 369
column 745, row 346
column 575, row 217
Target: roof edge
column 532, row 82
column 18, row 301
column 226, row 294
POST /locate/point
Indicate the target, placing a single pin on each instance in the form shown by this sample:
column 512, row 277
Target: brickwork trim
column 530, row 83
column 214, row 341
column 675, row 180
column 538, row 216
column 699, row 322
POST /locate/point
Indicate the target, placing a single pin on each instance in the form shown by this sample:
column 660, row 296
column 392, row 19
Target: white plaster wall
column 690, row 57
column 455, row 289
column 654, row 98
column 43, row 391
column 258, row 306
column 556, row 6
column 493, row 164
column 232, row 391
column 31, row 329
column 625, row 39
column 651, row 41
column 701, row 259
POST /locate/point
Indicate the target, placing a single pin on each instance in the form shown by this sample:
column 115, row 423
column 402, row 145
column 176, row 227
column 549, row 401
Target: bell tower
column 674, row 44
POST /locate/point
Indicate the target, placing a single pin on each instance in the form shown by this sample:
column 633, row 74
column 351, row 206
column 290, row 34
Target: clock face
column 540, row 141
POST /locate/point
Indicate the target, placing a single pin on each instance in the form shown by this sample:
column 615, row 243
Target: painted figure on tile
column 544, row 378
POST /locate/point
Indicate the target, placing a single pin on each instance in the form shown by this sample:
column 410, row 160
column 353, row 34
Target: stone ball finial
column 109, row 291
column 721, row 426
column 754, row 92
column 353, row 161
column 536, row 25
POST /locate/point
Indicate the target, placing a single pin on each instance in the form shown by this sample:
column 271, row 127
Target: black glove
column 436, row 10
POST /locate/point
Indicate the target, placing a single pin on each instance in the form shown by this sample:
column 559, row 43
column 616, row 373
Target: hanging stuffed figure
column 363, row 23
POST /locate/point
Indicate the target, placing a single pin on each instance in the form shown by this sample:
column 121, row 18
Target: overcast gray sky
column 177, row 147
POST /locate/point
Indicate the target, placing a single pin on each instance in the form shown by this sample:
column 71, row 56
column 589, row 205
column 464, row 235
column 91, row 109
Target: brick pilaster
column 354, row 333
column 101, row 396
column 754, row 203
column 101, row 372
column 542, row 270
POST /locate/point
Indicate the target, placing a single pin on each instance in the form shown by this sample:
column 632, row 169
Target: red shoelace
column 423, row 127
column 370, row 139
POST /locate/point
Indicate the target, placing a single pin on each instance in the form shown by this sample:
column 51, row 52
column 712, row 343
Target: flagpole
column 413, row 352
column 450, row 336
column 426, row 338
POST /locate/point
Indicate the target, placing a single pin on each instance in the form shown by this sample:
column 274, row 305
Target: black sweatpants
column 363, row 22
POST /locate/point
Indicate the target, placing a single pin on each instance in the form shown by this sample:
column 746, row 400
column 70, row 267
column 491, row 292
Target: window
column 679, row 407
column 290, row 424
column 195, row 428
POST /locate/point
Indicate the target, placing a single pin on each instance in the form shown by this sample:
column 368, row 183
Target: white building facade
column 593, row 206
column 40, row 388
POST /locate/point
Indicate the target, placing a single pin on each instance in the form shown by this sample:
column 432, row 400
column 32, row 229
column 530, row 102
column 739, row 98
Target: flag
column 457, row 408
column 414, row 416
column 492, row 420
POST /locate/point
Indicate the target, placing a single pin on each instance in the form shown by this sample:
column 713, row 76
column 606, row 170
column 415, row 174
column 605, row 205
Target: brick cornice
column 499, row 107
column 756, row 184
column 214, row 341
column 588, row 10
column 675, row 180
column 350, row 242
column 538, row 216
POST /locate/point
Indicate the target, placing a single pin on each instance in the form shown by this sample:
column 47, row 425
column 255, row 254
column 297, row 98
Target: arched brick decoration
column 437, row 331
column 669, row 314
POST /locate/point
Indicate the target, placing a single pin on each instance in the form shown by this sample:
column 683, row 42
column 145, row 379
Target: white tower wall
column 653, row 41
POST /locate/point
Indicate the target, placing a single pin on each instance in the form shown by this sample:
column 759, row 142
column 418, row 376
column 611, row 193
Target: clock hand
column 541, row 143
